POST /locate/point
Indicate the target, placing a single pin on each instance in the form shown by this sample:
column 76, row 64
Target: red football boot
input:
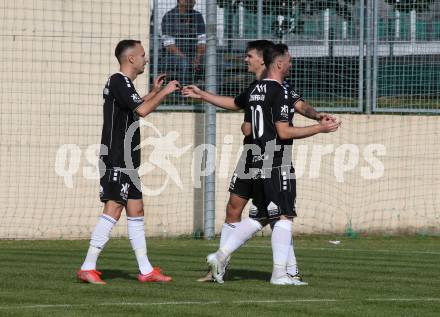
column 155, row 276
column 90, row 276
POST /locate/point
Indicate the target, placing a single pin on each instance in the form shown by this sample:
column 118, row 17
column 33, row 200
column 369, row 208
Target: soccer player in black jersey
column 240, row 188
column 270, row 109
column 119, row 161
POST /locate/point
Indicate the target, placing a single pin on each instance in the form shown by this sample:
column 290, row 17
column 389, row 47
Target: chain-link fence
column 397, row 69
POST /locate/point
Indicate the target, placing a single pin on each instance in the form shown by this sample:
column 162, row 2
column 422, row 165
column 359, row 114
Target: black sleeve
column 123, row 90
column 279, row 102
column 241, row 99
column 296, row 96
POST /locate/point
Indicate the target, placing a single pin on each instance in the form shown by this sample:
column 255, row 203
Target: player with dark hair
column 270, row 109
column 120, row 183
column 240, row 187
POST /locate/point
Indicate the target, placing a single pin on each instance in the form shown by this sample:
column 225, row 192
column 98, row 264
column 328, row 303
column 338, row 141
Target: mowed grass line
column 360, row 277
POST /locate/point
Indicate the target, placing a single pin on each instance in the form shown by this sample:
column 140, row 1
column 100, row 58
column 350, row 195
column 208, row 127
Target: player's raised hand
column 158, row 82
column 172, row 86
column 329, row 125
column 191, row 91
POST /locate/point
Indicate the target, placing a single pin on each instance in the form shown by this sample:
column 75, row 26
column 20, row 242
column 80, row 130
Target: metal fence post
column 260, row 20
column 156, row 40
column 361, row 55
column 210, row 117
column 375, row 56
column 368, row 57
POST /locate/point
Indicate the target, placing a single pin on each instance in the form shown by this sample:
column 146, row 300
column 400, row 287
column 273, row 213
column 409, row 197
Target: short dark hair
column 274, row 51
column 123, row 46
column 259, row 45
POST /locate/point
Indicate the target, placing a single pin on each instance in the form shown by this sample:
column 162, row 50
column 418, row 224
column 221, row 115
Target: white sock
column 244, row 230
column 99, row 238
column 227, row 229
column 281, row 241
column 292, row 267
column 136, row 235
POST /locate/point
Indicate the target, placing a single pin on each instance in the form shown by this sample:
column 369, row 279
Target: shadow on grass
column 112, row 274
column 240, row 275
column 234, row 275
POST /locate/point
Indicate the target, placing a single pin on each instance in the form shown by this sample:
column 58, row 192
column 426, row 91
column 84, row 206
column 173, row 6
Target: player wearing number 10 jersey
column 275, row 188
column 270, row 110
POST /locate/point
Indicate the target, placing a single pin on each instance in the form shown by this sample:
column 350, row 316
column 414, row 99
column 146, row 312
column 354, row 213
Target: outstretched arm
column 152, row 103
column 305, row 109
column 285, row 131
column 195, row 92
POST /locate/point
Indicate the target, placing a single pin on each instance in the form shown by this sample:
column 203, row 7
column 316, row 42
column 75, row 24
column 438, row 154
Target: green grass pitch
column 369, row 276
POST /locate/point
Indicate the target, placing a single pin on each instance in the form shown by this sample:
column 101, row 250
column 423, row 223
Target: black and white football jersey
column 120, row 103
column 269, row 102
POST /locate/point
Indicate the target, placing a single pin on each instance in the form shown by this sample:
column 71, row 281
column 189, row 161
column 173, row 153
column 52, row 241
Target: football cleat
column 297, row 279
column 90, row 276
column 154, row 276
column 208, row 277
column 217, row 267
column 282, row 280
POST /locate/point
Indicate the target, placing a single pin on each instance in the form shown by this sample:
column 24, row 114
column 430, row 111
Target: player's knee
column 233, row 214
column 135, row 212
column 113, row 209
column 115, row 214
column 235, row 205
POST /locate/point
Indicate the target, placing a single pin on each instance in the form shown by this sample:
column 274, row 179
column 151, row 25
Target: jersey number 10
column 257, row 121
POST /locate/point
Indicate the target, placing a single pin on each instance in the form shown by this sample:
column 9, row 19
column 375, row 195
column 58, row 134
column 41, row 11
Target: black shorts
column 118, row 186
column 242, row 184
column 274, row 194
column 240, row 187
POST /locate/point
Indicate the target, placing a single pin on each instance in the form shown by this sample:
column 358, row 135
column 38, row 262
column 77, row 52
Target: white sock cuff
column 230, row 225
column 284, row 224
column 108, row 218
column 254, row 223
column 135, row 220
